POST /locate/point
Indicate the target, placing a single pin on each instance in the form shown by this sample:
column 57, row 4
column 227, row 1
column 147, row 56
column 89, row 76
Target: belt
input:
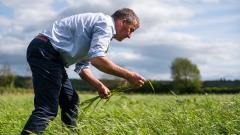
column 42, row 37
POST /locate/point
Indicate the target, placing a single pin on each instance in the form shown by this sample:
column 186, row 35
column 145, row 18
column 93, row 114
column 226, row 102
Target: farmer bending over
column 81, row 39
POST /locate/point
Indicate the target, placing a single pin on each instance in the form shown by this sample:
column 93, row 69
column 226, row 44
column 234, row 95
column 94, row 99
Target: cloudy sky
column 207, row 32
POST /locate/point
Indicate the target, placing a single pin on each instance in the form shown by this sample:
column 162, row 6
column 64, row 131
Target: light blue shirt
column 80, row 37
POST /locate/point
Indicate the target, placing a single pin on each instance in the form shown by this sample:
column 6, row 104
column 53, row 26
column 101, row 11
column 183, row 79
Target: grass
column 85, row 105
column 136, row 114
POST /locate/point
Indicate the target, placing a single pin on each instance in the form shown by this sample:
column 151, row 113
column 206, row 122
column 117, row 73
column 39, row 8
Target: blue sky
column 204, row 31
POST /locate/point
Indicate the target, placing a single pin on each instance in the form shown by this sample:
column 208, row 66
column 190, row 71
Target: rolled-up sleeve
column 100, row 40
column 101, row 37
column 81, row 65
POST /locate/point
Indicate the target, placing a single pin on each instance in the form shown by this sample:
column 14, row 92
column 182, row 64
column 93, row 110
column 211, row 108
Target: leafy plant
column 85, row 105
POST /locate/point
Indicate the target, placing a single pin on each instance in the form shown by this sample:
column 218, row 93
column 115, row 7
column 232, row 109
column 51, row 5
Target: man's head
column 126, row 22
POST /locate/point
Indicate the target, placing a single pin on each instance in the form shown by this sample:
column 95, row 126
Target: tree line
column 186, row 78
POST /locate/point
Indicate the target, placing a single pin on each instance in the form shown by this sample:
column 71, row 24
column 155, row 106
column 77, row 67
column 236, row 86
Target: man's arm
column 107, row 66
column 87, row 75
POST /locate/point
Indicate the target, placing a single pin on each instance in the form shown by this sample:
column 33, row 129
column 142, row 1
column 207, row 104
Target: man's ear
column 124, row 21
column 121, row 22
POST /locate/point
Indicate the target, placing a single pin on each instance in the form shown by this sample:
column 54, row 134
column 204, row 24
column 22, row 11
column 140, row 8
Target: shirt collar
column 113, row 26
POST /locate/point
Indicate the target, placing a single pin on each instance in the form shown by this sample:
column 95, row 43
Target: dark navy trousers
column 52, row 87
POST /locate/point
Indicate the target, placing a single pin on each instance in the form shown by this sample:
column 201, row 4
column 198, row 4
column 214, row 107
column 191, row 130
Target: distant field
column 136, row 115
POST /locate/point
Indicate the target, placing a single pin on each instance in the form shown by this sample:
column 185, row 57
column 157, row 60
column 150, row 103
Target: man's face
column 124, row 29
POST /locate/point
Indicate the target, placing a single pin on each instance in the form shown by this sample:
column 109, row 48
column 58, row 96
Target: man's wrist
column 98, row 85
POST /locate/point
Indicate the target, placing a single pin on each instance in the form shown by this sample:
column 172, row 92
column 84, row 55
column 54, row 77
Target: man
column 82, row 39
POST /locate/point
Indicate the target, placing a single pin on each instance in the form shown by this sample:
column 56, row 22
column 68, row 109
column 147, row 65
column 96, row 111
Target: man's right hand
column 103, row 91
column 135, row 79
column 87, row 75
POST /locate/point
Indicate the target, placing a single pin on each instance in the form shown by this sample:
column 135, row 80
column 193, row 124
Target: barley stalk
column 85, row 105
column 151, row 86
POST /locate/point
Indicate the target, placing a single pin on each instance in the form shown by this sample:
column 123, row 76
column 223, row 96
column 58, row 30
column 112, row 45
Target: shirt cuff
column 97, row 54
column 80, row 66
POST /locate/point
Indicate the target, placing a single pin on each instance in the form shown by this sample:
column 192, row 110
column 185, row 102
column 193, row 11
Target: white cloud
column 153, row 46
column 12, row 46
column 27, row 14
column 26, row 3
column 74, row 3
column 164, row 37
column 129, row 56
column 158, row 16
column 5, row 22
column 210, row 1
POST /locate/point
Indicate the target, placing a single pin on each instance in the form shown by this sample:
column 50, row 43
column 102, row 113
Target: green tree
column 7, row 78
column 186, row 76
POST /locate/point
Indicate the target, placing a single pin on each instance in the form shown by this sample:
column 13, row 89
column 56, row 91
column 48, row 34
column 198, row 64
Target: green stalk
column 151, row 86
column 85, row 105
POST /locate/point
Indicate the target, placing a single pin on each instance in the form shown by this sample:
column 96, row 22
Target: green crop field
column 135, row 115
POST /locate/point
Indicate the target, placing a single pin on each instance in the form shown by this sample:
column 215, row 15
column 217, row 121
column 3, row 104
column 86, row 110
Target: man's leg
column 69, row 102
column 47, row 76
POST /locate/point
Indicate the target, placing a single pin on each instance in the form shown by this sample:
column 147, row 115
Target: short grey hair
column 126, row 13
